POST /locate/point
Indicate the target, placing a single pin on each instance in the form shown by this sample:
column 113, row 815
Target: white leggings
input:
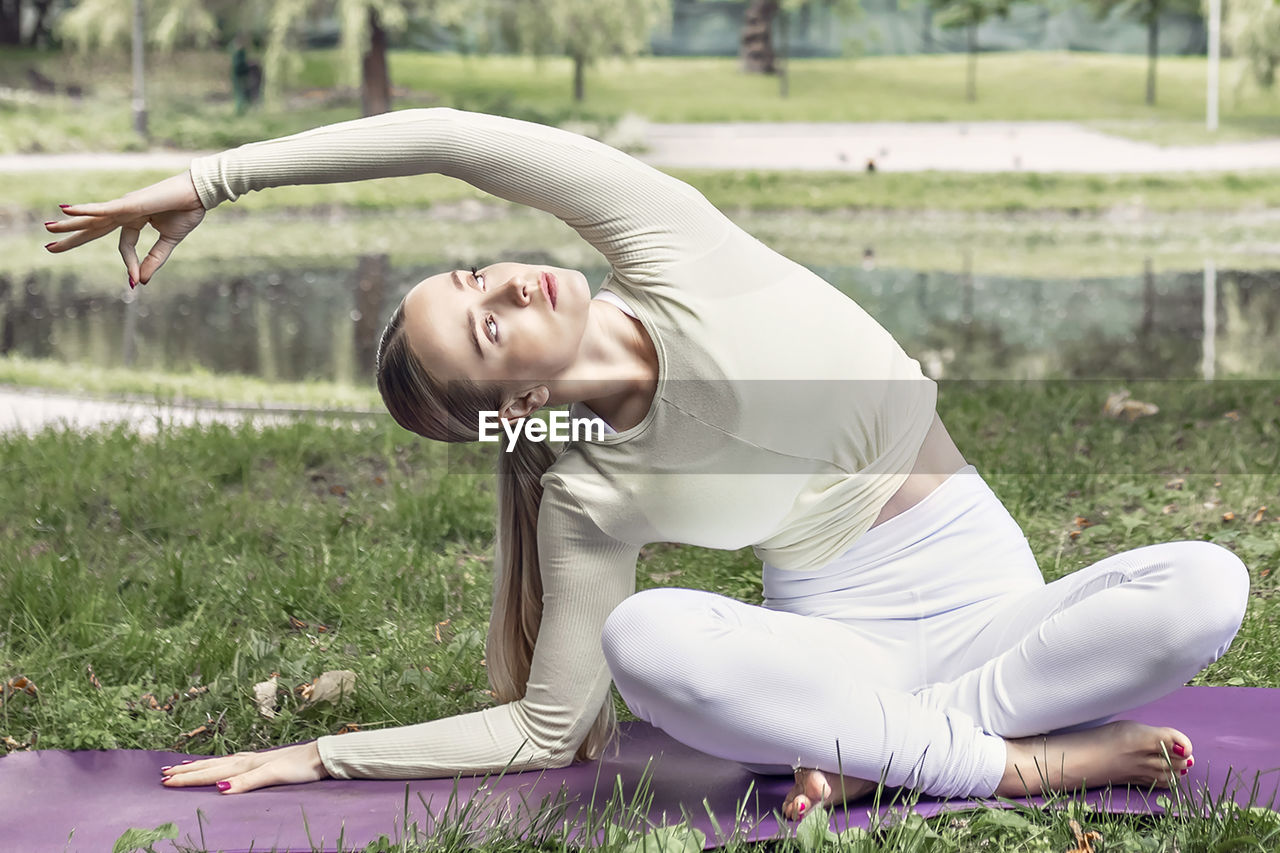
column 919, row 650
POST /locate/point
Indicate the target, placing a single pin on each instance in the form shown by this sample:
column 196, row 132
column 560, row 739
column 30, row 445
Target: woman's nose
column 517, row 290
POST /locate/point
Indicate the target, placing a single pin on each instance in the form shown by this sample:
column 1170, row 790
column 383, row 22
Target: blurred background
column 1028, row 189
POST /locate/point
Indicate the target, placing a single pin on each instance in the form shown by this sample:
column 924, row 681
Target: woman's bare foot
column 1122, row 752
column 814, row 788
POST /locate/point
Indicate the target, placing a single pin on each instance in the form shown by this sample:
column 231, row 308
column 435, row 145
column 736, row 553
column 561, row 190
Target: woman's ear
column 525, row 404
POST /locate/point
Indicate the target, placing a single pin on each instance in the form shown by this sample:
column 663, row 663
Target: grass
column 190, row 105
column 191, row 558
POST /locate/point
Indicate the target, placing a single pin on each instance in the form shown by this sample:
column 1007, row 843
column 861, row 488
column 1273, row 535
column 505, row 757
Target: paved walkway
column 30, row 411
column 894, row 147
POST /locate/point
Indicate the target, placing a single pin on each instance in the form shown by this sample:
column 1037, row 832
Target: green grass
column 179, row 560
column 190, row 105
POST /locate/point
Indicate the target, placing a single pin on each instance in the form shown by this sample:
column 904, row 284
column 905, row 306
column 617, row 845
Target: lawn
column 213, row 558
column 190, row 104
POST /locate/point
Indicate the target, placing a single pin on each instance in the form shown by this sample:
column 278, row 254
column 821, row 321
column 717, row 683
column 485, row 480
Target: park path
column 893, row 146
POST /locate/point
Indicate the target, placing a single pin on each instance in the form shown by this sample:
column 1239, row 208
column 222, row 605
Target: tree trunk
column 375, row 82
column 579, row 77
column 756, row 46
column 10, row 22
column 139, row 71
column 40, row 29
column 971, row 78
column 784, row 67
column 1153, row 46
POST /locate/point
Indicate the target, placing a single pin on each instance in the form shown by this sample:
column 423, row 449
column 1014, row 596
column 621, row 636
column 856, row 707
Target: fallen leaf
column 93, row 677
column 336, row 489
column 1232, row 415
column 1259, row 515
column 1084, row 840
column 1228, row 516
column 1167, row 509
column 297, row 624
column 1118, row 405
column 1176, row 483
column 331, row 686
column 349, row 728
column 264, row 696
column 440, row 625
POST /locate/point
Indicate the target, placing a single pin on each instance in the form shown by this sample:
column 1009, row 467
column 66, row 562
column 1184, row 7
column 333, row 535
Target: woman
column 907, row 634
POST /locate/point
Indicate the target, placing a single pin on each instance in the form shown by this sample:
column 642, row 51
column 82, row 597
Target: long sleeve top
column 785, row 417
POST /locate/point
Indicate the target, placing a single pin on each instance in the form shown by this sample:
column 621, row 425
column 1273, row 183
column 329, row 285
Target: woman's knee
column 645, row 627
column 1210, row 591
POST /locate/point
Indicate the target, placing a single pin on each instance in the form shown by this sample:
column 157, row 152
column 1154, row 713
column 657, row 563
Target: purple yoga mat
column 82, row 801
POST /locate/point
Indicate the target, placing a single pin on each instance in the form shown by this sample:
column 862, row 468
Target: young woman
column 907, row 633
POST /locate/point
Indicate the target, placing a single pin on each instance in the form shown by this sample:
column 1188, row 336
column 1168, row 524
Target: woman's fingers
column 75, row 223
column 79, row 238
column 155, row 258
column 129, row 252
column 209, row 771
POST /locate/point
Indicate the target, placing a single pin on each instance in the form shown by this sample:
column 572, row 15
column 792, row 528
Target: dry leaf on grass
column 1084, row 840
column 264, row 696
column 331, row 686
column 1118, row 405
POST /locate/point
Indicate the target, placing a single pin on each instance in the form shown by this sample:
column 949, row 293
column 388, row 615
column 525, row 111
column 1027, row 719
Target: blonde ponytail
column 517, row 585
column 422, row 405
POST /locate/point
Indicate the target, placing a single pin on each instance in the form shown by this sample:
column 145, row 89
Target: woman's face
column 507, row 322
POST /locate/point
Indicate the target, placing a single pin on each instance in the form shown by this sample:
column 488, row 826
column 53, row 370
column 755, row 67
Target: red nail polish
column 50, row 245
column 1178, row 750
column 1191, row 762
column 167, row 767
column 1182, row 772
column 800, row 808
column 188, row 761
column 50, row 222
column 64, row 206
column 224, row 785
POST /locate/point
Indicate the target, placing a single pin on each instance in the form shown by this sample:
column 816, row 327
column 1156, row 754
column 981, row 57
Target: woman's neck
column 617, row 372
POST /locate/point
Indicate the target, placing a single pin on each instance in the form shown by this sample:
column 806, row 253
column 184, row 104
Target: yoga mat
column 55, row 800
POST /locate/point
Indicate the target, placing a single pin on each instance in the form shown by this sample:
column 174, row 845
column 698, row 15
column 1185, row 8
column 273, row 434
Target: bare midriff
column 939, row 458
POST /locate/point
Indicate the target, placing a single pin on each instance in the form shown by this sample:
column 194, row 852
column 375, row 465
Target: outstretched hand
column 245, row 771
column 171, row 207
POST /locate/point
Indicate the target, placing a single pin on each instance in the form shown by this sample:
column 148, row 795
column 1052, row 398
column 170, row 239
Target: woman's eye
column 491, row 326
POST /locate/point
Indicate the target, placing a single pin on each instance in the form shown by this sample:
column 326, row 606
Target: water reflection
column 324, row 323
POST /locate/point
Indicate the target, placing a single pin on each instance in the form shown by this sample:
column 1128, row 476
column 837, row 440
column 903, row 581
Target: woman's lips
column 548, row 282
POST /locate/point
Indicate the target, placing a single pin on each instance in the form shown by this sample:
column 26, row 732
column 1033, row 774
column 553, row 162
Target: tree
column 765, row 21
column 584, row 30
column 1148, row 12
column 14, row 13
column 970, row 14
column 1252, row 30
column 366, row 27
column 109, row 24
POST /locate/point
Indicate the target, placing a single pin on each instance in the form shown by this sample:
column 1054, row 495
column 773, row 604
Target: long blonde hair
column 421, row 404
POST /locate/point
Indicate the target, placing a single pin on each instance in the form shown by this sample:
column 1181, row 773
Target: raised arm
column 638, row 217
column 585, row 574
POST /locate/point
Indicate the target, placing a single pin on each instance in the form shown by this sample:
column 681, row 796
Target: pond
column 291, row 319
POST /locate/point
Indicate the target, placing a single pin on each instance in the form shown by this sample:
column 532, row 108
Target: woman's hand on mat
column 246, row 771
column 171, row 207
